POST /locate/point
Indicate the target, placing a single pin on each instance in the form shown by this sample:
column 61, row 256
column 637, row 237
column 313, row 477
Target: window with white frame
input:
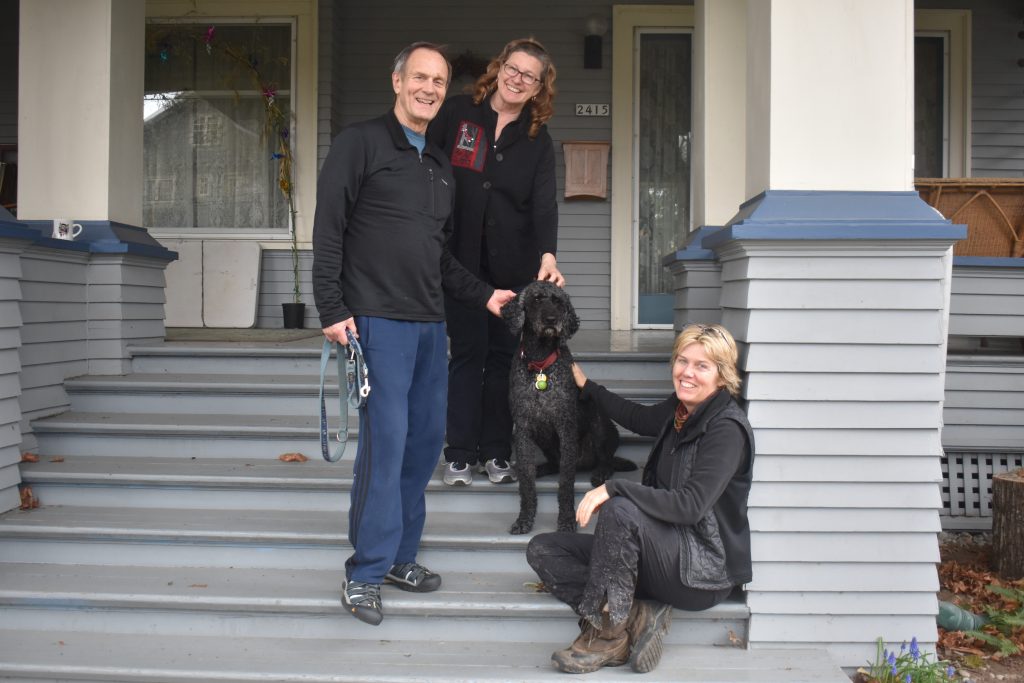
column 208, row 88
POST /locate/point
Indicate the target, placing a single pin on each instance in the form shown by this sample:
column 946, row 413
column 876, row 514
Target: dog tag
column 541, row 383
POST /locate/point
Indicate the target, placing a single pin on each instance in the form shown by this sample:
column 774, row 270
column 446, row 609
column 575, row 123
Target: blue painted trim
column 830, row 215
column 988, row 261
column 103, row 237
column 692, row 249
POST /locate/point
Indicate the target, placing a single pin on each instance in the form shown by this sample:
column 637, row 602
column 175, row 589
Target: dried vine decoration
column 276, row 123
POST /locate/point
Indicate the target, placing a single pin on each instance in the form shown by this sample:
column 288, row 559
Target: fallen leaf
column 57, row 459
column 536, row 586
column 292, row 457
column 198, row 585
column 29, row 457
column 735, row 639
column 28, row 499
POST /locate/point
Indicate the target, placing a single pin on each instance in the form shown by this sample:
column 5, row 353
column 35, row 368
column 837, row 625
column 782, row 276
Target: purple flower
column 891, row 659
column 908, row 679
column 894, row 670
column 277, row 155
column 209, row 35
column 903, row 647
column 915, row 651
column 950, row 671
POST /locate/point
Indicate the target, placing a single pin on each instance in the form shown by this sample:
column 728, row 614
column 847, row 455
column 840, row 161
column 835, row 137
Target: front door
column 662, row 135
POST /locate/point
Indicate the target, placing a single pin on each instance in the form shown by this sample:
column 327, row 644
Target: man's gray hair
column 402, row 57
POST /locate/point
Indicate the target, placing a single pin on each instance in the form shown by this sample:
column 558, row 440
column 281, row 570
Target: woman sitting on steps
column 680, row 538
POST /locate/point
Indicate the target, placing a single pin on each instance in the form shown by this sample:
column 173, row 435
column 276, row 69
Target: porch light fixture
column 596, row 27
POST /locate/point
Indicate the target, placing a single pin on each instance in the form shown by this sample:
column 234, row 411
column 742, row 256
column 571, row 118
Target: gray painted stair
column 238, row 659
column 172, row 545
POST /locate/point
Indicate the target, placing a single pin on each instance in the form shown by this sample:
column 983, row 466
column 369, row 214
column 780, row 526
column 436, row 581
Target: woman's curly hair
column 542, row 104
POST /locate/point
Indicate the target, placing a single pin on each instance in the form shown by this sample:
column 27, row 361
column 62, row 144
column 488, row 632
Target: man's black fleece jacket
column 383, row 220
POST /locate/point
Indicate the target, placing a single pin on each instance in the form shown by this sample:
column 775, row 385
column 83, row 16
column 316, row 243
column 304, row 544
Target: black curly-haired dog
column 548, row 416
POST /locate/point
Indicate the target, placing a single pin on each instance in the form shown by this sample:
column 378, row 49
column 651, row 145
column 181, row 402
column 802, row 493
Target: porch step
column 187, row 659
column 245, row 394
column 192, row 358
column 209, row 435
column 257, row 538
column 242, row 484
column 219, row 601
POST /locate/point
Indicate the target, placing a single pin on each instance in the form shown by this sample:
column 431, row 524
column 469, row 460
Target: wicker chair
column 992, row 208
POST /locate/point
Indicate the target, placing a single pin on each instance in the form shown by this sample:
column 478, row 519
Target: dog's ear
column 514, row 315
column 572, row 321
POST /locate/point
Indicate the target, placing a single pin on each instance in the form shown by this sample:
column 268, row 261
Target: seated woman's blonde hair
column 720, row 347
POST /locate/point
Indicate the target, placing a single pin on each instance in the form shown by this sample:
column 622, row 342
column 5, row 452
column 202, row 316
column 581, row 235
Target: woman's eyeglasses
column 512, row 72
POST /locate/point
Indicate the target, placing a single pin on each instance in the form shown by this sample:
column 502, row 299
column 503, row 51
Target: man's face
column 420, row 88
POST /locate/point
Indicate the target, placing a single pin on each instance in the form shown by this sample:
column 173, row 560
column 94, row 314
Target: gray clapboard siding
column 276, row 287
column 987, row 300
column 10, row 374
column 54, row 288
column 984, row 407
column 844, row 355
column 997, row 108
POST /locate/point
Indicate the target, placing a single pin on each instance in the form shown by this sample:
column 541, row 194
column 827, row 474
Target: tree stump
column 1008, row 524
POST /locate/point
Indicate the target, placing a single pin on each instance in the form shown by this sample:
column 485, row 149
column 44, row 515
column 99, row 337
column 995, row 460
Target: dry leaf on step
column 28, row 499
column 292, row 457
column 29, row 457
column 57, row 459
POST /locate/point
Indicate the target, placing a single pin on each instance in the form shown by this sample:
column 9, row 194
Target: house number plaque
column 593, row 109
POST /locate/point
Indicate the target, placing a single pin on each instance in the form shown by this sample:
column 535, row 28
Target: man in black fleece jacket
column 380, row 262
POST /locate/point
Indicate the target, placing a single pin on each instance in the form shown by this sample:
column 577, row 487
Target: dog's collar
column 540, row 365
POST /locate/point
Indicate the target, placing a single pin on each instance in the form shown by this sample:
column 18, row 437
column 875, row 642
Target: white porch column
column 830, row 87
column 835, row 279
column 719, row 124
column 80, row 110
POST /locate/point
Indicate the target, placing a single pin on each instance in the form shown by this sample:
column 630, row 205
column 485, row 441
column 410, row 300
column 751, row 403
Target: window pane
column 208, row 156
column 663, row 173
column 929, row 102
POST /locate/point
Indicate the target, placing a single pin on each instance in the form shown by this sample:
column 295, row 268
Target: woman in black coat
column 505, row 232
column 680, row 538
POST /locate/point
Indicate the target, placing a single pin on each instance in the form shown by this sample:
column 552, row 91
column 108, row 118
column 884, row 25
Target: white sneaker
column 498, row 471
column 458, row 475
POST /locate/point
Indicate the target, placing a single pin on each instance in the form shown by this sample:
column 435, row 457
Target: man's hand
column 499, row 299
column 336, row 332
column 592, row 501
column 549, row 270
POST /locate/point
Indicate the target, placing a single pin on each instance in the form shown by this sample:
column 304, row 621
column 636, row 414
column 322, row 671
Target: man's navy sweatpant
column 401, row 432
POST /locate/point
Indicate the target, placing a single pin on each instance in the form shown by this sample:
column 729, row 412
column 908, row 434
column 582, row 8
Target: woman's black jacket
column 504, row 194
column 709, row 482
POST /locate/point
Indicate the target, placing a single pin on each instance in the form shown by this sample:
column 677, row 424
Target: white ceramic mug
column 64, row 229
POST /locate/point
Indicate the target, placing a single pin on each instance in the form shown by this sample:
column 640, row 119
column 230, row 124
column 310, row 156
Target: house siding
column 10, row 376
column 54, row 334
column 997, row 100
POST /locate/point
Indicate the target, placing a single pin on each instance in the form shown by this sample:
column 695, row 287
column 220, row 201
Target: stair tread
column 462, row 594
column 142, row 657
column 315, row 474
column 484, row 530
column 169, row 381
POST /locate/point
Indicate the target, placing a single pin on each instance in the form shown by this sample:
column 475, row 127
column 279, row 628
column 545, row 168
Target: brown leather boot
column 596, row 648
column 648, row 623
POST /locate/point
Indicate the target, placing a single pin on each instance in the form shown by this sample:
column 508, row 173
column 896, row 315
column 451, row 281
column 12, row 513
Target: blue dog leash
column 353, row 382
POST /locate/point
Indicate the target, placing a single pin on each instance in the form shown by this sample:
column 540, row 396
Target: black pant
column 479, row 422
column 630, row 555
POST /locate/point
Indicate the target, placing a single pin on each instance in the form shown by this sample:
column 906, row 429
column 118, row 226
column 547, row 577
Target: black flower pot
column 294, row 315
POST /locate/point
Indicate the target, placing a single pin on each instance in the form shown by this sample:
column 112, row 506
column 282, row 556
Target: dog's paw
column 521, row 526
column 569, row 526
column 598, row 477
